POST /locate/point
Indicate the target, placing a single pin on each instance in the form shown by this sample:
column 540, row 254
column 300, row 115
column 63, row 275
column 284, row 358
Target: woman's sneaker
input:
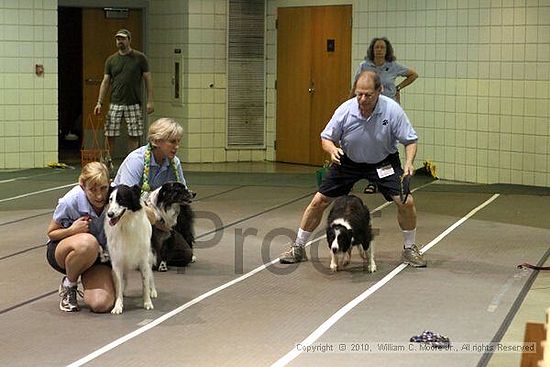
column 68, row 296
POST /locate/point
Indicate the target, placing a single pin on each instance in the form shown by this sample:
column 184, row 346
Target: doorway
column 69, row 84
column 85, row 40
column 313, row 77
column 97, row 47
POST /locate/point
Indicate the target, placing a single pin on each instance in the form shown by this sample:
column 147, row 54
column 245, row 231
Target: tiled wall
column 206, row 81
column 28, row 103
column 198, row 27
column 166, row 25
column 481, row 105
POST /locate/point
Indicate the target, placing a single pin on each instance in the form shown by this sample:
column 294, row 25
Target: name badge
column 385, row 171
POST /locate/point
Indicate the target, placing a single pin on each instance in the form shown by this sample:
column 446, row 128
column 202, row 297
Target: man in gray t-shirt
column 362, row 138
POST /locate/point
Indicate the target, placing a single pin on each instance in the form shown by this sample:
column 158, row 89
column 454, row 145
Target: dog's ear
column 330, row 235
column 136, row 204
column 344, row 237
column 112, row 188
column 136, row 189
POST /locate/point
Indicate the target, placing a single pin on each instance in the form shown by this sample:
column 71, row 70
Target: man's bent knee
column 320, row 201
column 407, row 205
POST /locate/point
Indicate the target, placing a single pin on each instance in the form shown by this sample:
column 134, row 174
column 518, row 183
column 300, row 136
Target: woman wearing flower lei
column 152, row 165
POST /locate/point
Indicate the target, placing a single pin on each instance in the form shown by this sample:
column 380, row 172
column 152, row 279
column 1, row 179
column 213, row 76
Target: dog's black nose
column 334, row 249
column 110, row 214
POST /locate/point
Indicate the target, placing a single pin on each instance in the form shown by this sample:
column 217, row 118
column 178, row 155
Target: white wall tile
column 498, row 50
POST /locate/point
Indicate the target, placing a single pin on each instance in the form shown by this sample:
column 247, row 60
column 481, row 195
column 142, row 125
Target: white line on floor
column 497, row 299
column 26, row 177
column 37, row 192
column 176, row 311
column 166, row 316
column 295, row 352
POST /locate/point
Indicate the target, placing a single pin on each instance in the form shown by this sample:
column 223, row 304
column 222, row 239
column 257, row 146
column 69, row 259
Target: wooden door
column 313, row 77
column 293, row 81
column 98, row 42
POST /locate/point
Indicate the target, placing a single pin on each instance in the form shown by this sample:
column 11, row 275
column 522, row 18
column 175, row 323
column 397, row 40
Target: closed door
column 313, row 77
column 98, row 42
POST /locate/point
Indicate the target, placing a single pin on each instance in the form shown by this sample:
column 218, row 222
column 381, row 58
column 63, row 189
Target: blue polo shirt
column 388, row 72
column 369, row 140
column 74, row 205
column 130, row 171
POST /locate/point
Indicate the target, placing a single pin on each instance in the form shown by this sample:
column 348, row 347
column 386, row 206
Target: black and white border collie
column 348, row 225
column 171, row 203
column 128, row 234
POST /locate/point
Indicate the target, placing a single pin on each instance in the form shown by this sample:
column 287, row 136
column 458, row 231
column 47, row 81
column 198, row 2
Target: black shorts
column 340, row 179
column 50, row 256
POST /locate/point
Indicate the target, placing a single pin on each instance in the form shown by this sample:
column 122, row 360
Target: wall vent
column 246, row 74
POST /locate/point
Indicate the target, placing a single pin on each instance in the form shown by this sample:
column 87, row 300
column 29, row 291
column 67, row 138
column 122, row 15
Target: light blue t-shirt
column 74, row 205
column 131, row 170
column 369, row 140
column 388, row 72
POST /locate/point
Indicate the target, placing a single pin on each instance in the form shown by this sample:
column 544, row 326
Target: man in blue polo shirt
column 362, row 138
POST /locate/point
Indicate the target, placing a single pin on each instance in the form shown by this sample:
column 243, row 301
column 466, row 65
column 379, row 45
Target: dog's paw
column 162, row 266
column 117, row 310
column 193, row 259
column 154, row 293
column 148, row 305
column 371, row 268
column 333, row 267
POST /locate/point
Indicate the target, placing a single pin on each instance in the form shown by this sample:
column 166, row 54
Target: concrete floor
column 234, row 307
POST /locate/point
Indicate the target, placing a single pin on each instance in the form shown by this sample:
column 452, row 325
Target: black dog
column 348, row 225
column 173, row 235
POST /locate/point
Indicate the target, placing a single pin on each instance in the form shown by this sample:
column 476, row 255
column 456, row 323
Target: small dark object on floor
column 433, row 339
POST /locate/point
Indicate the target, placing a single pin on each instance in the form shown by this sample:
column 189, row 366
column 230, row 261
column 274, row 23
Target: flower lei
column 145, row 186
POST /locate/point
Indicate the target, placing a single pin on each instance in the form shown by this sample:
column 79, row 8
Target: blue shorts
column 340, row 179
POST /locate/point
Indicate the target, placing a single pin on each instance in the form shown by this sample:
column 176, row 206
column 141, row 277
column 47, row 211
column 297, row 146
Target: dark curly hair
column 389, row 49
